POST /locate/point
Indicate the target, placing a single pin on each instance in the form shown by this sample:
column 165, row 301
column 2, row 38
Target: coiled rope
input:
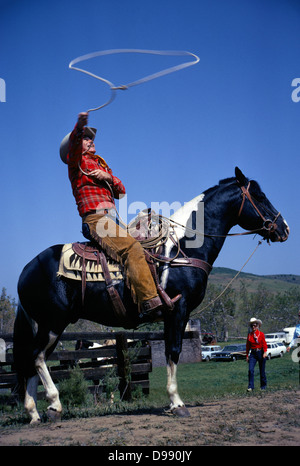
column 113, row 87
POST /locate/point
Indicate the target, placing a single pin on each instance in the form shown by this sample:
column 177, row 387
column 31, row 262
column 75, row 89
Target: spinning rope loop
column 115, row 88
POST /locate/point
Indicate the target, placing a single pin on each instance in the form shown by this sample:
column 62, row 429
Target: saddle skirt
column 71, row 264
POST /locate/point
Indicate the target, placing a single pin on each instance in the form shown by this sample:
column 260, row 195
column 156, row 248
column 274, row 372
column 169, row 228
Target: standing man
column 296, row 341
column 256, row 342
column 296, row 334
column 95, row 189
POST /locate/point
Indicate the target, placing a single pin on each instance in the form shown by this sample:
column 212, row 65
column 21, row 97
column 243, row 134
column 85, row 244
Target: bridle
column 269, row 225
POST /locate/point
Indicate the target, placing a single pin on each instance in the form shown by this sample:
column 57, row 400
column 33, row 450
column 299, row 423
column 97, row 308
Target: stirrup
column 174, row 300
column 168, row 302
column 152, row 310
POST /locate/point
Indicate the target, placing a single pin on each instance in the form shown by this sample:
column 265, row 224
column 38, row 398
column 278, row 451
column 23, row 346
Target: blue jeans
column 257, row 356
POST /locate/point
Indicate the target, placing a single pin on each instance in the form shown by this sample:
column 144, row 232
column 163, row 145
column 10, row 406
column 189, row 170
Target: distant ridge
column 273, row 283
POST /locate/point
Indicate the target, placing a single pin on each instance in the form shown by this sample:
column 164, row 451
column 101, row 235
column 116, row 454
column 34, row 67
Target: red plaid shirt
column 90, row 194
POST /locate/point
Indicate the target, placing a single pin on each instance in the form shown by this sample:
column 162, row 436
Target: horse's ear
column 240, row 176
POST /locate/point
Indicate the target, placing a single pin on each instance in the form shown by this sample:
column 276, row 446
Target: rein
column 228, row 284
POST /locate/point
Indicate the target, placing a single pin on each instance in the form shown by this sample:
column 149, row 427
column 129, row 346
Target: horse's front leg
column 177, row 406
column 173, row 350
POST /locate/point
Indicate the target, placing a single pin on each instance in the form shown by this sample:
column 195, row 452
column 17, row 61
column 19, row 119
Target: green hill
column 274, row 283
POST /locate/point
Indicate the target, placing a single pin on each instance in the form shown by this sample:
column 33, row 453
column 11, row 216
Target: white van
column 276, row 337
column 207, row 351
column 289, row 334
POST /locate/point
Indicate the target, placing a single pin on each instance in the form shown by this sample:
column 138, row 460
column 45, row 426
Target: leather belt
column 92, row 212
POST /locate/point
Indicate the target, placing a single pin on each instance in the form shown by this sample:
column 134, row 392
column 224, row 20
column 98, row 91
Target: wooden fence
column 130, row 359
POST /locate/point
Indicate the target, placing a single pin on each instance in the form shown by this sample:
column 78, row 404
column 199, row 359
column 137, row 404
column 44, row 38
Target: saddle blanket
column 70, row 266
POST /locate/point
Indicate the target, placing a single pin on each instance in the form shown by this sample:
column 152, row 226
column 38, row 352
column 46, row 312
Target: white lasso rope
column 114, row 88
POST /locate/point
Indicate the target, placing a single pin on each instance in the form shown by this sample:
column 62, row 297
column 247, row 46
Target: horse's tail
column 23, row 349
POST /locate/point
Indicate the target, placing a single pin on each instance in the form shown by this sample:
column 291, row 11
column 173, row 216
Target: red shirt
column 90, row 194
column 253, row 344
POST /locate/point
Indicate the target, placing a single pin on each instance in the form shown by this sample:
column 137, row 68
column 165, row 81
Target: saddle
column 88, row 262
column 92, row 257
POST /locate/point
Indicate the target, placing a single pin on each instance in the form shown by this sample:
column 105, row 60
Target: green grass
column 199, row 382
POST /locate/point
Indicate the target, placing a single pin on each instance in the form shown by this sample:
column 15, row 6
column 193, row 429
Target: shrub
column 74, row 390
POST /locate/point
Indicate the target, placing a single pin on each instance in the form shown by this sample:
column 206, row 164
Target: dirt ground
column 262, row 418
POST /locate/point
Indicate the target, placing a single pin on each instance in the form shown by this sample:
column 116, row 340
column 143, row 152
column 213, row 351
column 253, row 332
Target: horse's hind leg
column 30, row 399
column 55, row 408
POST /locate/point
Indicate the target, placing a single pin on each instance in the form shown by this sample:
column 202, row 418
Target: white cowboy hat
column 64, row 145
column 254, row 320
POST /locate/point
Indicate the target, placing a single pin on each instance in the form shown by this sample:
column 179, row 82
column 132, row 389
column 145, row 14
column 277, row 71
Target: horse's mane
column 255, row 187
column 225, row 181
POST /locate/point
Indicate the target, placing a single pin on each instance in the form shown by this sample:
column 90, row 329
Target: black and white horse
column 48, row 303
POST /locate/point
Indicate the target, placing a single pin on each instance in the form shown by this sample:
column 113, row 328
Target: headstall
column 269, row 225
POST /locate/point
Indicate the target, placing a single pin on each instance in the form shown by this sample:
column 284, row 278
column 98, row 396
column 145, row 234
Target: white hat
column 64, row 145
column 254, row 320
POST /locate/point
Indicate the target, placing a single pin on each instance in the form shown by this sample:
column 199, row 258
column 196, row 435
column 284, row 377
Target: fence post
column 124, row 369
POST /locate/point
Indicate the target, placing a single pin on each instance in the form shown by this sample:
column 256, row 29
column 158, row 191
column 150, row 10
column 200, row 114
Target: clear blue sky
column 168, row 139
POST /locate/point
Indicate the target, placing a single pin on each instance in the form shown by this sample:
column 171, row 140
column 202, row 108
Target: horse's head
column 257, row 213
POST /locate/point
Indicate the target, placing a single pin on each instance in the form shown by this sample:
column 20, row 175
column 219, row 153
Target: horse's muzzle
column 277, row 234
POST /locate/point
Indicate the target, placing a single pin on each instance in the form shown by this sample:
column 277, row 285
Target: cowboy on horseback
column 95, row 188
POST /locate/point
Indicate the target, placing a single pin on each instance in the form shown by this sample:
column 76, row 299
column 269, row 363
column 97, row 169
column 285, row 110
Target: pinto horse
column 48, row 303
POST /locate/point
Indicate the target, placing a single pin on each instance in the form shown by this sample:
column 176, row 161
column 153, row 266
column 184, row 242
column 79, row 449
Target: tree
column 258, row 303
column 285, row 308
column 218, row 311
column 227, row 313
column 7, row 312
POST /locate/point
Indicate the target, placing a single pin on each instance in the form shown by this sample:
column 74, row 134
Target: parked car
column 282, row 346
column 274, row 350
column 276, row 337
column 208, row 351
column 230, row 353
